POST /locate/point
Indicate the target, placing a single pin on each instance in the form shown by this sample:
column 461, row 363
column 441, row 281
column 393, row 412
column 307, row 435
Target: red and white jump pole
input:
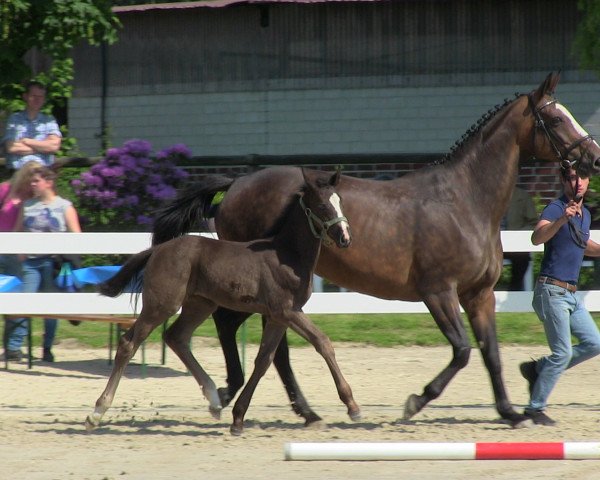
column 443, row 451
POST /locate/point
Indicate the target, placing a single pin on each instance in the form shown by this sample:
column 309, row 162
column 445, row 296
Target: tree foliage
column 51, row 28
column 587, row 40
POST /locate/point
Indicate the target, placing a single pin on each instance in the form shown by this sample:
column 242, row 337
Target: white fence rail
column 127, row 243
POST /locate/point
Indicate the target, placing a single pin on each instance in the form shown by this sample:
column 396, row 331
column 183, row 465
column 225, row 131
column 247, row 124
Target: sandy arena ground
column 159, row 426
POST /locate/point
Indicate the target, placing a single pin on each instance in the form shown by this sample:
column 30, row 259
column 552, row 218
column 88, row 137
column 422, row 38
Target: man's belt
column 552, row 281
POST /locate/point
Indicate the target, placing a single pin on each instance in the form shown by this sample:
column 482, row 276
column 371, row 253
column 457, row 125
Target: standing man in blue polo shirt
column 30, row 134
column 564, row 229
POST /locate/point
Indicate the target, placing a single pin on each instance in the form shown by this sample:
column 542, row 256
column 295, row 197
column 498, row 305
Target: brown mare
column 272, row 277
column 432, row 235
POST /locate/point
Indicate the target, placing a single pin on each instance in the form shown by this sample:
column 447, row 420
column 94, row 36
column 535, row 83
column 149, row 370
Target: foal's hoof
column 355, row 416
column 320, row 425
column 411, row 407
column 215, row 412
column 91, row 423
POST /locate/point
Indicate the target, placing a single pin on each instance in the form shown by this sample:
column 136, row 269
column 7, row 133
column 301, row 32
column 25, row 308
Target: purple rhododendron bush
column 124, row 189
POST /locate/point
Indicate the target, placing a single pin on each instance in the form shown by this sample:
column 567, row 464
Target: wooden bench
column 123, row 322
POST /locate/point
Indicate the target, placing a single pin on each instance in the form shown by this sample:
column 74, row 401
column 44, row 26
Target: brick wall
column 541, row 180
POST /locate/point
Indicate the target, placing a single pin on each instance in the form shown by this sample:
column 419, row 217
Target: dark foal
column 432, row 235
column 272, row 277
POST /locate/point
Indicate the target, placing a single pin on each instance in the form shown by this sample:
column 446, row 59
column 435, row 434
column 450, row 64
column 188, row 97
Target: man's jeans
column 37, row 276
column 563, row 315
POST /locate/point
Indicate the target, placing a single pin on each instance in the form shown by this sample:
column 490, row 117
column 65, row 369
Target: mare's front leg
column 481, row 310
column 178, row 336
column 444, row 308
column 148, row 320
column 272, row 334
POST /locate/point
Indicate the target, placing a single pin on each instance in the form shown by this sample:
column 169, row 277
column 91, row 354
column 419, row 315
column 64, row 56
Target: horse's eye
column 556, row 121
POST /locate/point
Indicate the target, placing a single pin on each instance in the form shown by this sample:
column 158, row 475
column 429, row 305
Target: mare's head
column 557, row 135
column 323, row 207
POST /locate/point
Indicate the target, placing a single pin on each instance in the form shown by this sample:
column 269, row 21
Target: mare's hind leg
column 227, row 323
column 178, row 337
column 481, row 310
column 147, row 321
column 445, row 310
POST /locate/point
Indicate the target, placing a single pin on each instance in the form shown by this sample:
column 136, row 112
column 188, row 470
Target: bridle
column 323, row 226
column 565, row 162
column 552, row 138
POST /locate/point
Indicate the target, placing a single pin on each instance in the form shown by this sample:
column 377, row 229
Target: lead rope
column 576, row 234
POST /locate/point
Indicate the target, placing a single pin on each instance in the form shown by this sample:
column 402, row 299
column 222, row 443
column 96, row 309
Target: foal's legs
column 272, row 334
column 178, row 337
column 444, row 308
column 303, row 326
column 147, row 321
column 227, row 323
column 481, row 310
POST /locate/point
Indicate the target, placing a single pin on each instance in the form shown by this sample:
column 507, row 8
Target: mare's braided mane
column 474, row 129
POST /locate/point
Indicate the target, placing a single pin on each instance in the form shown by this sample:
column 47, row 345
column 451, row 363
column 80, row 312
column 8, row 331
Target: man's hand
column 573, row 209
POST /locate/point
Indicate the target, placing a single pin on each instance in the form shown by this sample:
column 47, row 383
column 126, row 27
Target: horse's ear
column 551, row 82
column 303, row 170
column 335, row 178
column 547, row 87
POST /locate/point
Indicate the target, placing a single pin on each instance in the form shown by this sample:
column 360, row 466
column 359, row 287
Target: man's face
column 35, row 98
column 574, row 185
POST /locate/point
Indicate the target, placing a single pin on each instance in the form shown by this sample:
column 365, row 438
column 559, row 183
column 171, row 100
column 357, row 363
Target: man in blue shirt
column 30, row 134
column 564, row 229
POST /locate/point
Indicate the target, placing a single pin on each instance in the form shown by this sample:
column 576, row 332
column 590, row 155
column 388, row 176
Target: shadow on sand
column 97, row 367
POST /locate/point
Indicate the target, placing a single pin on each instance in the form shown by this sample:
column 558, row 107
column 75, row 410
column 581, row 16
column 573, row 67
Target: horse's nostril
column 345, row 241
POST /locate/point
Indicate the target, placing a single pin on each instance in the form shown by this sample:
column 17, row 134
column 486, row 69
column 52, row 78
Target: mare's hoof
column 235, row 430
column 306, row 413
column 224, row 396
column 522, row 422
column 411, row 407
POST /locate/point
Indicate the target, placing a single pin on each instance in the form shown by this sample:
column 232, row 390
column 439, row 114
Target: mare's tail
column 191, row 205
column 128, row 275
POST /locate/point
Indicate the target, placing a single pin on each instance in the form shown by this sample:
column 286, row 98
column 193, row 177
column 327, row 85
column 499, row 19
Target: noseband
column 323, row 226
column 553, row 138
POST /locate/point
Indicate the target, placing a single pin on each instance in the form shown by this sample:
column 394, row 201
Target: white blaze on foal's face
column 336, row 202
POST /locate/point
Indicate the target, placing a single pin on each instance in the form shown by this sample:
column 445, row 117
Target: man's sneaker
column 12, row 356
column 529, row 373
column 539, row 418
column 48, row 356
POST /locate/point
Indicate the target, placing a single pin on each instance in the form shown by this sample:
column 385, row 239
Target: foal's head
column 323, row 207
